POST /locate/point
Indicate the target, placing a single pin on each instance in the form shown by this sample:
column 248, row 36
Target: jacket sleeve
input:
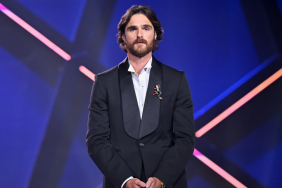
column 99, row 147
column 176, row 157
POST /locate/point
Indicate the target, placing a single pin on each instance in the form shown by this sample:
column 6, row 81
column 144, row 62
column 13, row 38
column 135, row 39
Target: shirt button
column 141, row 144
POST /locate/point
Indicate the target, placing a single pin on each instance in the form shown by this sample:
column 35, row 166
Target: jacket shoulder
column 172, row 72
column 108, row 77
column 108, row 72
column 111, row 73
column 171, row 69
column 168, row 69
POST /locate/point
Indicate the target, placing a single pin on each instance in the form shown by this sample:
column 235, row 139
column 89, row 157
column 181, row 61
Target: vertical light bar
column 239, row 103
column 35, row 33
column 218, row 170
column 87, row 72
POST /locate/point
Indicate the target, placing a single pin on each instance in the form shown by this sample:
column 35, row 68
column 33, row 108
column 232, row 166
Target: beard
column 138, row 50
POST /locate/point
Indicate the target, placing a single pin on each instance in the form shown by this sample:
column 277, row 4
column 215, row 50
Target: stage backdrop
column 229, row 49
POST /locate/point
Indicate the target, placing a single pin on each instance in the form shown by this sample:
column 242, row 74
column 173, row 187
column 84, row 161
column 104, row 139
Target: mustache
column 140, row 40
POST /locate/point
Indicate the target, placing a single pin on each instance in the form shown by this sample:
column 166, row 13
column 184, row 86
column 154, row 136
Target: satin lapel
column 131, row 115
column 150, row 117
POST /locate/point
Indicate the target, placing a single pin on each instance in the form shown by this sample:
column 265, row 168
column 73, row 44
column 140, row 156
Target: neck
column 138, row 63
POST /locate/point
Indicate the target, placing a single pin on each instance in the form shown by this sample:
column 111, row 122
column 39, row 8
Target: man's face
column 139, row 36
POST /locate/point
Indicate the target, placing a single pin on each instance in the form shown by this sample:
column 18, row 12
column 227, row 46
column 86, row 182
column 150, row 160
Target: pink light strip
column 87, row 72
column 239, row 103
column 35, row 33
column 218, row 170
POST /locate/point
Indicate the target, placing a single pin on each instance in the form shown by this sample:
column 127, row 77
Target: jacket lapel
column 131, row 115
column 150, row 117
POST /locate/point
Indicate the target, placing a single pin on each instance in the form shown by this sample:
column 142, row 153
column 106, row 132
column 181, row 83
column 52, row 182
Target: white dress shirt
column 140, row 84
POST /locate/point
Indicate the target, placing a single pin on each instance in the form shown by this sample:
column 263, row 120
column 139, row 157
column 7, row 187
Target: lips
column 140, row 41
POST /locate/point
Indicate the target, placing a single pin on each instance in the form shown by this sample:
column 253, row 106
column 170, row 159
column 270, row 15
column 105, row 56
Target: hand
column 153, row 182
column 134, row 183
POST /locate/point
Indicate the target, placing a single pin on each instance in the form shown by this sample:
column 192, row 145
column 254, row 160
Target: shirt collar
column 147, row 66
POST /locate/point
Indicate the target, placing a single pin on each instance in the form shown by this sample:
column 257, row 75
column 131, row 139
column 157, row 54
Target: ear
column 123, row 38
column 155, row 35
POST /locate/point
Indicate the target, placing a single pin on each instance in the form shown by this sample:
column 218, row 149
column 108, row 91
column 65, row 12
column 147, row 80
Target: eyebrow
column 146, row 25
column 130, row 27
column 134, row 26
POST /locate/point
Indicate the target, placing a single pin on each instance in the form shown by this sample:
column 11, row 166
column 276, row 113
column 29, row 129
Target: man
column 141, row 127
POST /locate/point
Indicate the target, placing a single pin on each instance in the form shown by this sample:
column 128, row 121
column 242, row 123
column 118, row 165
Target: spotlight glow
column 218, row 170
column 35, row 33
column 239, row 103
column 87, row 72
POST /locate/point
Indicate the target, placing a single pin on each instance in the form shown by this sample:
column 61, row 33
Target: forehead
column 138, row 19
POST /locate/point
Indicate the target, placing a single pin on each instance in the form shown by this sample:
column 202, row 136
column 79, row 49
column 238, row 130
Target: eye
column 147, row 28
column 132, row 29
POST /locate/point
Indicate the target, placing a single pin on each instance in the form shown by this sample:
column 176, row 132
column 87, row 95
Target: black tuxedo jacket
column 118, row 140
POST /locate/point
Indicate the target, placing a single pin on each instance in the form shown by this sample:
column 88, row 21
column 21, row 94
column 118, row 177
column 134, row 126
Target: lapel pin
column 157, row 91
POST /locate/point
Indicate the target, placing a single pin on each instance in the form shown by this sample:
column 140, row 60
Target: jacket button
column 141, row 144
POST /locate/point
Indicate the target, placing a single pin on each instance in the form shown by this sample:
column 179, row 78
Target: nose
column 139, row 33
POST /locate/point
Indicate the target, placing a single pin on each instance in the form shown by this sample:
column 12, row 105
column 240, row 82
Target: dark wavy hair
column 150, row 14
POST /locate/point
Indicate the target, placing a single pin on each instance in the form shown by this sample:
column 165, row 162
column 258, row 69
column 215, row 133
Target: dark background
column 226, row 48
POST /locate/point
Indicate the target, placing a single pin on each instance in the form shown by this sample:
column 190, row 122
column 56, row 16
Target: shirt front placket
column 142, row 90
